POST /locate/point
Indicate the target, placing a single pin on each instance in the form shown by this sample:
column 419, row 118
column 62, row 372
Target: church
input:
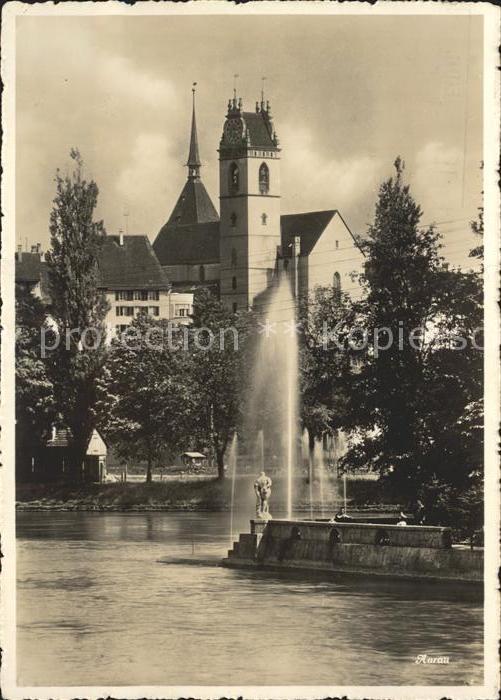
column 241, row 251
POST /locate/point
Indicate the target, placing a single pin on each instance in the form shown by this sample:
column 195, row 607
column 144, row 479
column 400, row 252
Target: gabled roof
column 28, row 267
column 308, row 226
column 258, row 130
column 192, row 244
column 62, row 438
column 132, row 265
column 194, row 206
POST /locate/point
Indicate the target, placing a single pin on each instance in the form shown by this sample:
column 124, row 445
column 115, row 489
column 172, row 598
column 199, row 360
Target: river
column 138, row 599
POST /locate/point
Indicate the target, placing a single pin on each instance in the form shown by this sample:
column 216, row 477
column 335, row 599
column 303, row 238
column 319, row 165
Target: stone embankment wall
column 408, row 552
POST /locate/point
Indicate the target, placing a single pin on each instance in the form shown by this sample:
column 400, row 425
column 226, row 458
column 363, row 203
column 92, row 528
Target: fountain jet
column 273, row 406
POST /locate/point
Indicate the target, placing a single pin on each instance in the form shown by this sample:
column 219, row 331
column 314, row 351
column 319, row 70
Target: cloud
column 119, row 77
column 437, row 179
column 145, row 186
column 316, row 180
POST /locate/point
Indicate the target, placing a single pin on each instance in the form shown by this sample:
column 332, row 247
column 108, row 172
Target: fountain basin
column 416, row 551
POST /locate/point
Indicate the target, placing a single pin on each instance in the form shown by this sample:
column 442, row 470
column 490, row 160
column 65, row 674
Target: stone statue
column 262, row 487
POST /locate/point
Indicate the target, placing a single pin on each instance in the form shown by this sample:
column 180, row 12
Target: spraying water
column 233, row 459
column 305, row 453
column 260, row 449
column 318, row 457
column 274, row 401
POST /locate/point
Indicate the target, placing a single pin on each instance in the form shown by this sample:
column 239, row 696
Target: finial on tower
column 235, row 76
column 262, row 93
column 194, row 156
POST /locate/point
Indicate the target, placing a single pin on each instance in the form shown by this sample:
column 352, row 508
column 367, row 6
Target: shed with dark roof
column 51, row 463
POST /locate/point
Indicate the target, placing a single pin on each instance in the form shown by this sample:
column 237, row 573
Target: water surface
column 138, row 599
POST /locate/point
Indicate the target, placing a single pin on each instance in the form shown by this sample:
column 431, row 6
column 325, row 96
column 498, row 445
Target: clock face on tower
column 233, row 131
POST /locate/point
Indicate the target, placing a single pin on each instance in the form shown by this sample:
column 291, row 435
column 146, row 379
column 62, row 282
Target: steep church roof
column 191, row 244
column 194, row 205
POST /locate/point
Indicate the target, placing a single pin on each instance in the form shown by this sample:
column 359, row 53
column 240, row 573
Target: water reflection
column 139, row 599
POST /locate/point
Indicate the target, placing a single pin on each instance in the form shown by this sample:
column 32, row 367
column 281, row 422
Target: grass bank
column 207, row 494
column 173, row 495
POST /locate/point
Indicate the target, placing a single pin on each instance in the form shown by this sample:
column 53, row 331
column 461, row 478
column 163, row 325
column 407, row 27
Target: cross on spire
column 194, row 163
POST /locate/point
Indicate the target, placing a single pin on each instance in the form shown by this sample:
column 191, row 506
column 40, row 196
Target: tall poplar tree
column 78, row 306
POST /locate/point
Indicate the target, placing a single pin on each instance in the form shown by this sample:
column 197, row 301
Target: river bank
column 175, row 495
column 181, row 494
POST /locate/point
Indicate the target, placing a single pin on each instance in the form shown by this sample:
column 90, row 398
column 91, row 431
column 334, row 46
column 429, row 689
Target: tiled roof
column 259, row 133
column 62, row 437
column 28, row 267
column 193, row 244
column 308, row 226
column 132, row 265
column 194, row 206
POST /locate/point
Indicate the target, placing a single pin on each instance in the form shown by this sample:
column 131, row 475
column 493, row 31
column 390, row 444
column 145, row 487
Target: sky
column 348, row 94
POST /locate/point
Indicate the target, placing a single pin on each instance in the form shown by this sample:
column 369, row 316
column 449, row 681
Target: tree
column 35, row 408
column 219, row 370
column 78, row 307
column 422, row 369
column 148, row 384
column 326, row 362
column 478, row 229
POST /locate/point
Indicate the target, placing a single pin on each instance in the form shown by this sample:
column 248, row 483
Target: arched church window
column 234, row 257
column 233, row 282
column 234, row 178
column 264, row 179
column 201, row 273
column 264, row 219
column 233, row 219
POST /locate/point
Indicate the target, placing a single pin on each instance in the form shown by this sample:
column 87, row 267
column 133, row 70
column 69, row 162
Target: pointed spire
column 263, row 106
column 194, row 156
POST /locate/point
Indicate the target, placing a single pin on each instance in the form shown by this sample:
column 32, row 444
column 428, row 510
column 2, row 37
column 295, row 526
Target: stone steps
column 245, row 547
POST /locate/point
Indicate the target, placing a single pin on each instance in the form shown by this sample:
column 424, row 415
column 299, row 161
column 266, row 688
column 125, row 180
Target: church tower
column 249, row 188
